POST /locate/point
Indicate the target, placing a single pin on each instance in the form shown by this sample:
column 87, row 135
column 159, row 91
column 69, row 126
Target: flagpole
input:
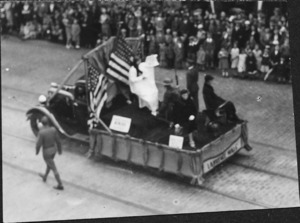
column 85, row 59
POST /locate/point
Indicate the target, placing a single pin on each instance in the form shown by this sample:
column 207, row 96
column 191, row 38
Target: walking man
column 49, row 140
column 192, row 82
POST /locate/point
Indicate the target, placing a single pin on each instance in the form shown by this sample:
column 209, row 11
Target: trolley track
column 203, row 187
column 85, row 189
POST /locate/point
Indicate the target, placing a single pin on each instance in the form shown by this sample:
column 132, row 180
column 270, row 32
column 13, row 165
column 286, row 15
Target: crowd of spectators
column 238, row 43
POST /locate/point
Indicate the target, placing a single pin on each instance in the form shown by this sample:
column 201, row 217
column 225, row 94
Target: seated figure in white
column 142, row 83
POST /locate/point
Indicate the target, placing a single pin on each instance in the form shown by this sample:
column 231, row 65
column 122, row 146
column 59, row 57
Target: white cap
column 42, row 98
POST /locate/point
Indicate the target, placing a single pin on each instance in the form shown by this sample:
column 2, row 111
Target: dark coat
column 251, row 63
column 192, row 80
column 211, row 100
column 183, row 109
column 275, row 58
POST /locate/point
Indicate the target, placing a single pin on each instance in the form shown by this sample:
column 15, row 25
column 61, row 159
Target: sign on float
column 211, row 163
column 120, row 124
column 176, row 141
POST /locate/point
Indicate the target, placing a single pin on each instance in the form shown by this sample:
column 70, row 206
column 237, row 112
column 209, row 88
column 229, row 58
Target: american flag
column 97, row 86
column 120, row 61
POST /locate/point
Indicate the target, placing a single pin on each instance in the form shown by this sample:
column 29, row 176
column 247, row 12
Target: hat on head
column 184, row 91
column 167, row 81
column 247, row 22
column 151, row 60
column 208, row 78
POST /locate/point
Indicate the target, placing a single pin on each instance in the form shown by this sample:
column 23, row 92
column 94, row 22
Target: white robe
column 144, row 87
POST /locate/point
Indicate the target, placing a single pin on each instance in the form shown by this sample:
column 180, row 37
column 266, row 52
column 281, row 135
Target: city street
column 264, row 178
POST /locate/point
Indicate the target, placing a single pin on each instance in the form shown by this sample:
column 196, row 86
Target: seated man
column 213, row 102
column 185, row 113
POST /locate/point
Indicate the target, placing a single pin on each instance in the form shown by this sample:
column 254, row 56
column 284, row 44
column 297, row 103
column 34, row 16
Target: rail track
column 139, row 206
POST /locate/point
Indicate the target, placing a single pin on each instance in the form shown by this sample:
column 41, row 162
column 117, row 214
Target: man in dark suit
column 192, row 82
column 49, row 140
column 214, row 102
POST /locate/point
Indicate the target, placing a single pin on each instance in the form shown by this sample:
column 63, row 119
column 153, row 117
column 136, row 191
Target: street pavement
column 29, row 67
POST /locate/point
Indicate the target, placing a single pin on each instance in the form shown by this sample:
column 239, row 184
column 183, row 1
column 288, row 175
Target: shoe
column 59, row 187
column 43, row 177
column 77, row 47
column 68, row 46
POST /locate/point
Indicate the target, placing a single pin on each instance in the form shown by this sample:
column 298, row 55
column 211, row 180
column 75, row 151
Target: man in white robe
column 143, row 85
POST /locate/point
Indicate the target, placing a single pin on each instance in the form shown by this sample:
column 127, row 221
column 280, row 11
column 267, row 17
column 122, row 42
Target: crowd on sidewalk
column 238, row 43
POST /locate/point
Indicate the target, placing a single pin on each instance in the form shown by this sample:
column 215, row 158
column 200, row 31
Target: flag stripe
column 117, row 76
column 120, row 68
column 120, row 61
column 99, row 84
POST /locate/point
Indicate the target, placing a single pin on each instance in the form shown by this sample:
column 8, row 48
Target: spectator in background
column 162, row 55
column 234, row 56
column 254, row 34
column 209, row 47
column 26, row 13
column 9, row 15
column 57, row 32
column 285, row 49
column 201, row 58
column 152, row 43
column 179, row 52
column 282, row 71
column 265, row 37
column 185, row 26
column 258, row 56
column 237, row 35
column 265, row 62
column 193, row 46
column 67, row 21
column 275, row 59
column 75, row 30
column 242, row 63
column 46, row 27
column 223, row 61
column 251, row 65
column 29, row 31
column 132, row 25
column 105, row 22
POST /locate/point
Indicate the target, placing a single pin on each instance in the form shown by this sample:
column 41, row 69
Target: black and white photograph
column 115, row 109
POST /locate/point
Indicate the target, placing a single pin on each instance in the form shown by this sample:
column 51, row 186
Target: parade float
column 128, row 132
